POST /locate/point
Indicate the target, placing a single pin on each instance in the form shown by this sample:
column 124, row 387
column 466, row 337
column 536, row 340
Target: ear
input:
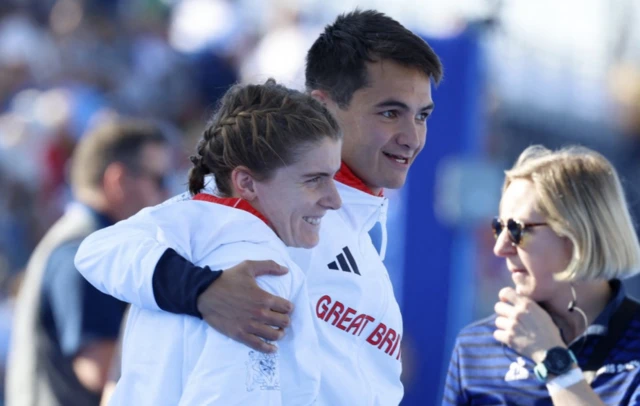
column 321, row 96
column 113, row 181
column 243, row 183
column 568, row 246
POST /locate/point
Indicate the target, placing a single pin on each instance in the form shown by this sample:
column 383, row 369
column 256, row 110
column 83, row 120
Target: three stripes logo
column 342, row 265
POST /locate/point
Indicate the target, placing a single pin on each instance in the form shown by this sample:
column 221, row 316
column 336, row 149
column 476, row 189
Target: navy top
column 482, row 371
column 177, row 283
column 74, row 313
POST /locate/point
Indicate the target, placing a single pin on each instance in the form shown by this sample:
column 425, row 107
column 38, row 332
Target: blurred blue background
column 516, row 73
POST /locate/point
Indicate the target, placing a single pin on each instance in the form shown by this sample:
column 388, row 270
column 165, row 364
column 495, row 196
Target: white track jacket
column 357, row 318
column 169, row 359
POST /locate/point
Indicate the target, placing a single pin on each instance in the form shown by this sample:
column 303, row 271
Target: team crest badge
column 517, row 371
column 262, row 371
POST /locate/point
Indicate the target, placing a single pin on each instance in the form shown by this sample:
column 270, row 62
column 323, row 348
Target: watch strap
column 565, row 380
column 542, row 373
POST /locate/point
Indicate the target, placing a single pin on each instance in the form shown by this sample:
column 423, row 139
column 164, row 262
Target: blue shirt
column 73, row 312
column 483, row 371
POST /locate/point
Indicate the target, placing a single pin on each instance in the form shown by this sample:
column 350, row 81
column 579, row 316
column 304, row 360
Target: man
column 65, row 330
column 375, row 77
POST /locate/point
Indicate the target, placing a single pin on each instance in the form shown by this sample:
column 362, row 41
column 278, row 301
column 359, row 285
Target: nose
column 412, row 134
column 503, row 246
column 331, row 199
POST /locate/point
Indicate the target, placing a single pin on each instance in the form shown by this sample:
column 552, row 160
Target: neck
column 348, row 177
column 591, row 297
column 98, row 202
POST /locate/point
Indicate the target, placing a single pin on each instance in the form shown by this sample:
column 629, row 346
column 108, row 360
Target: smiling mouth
column 314, row 221
column 398, row 159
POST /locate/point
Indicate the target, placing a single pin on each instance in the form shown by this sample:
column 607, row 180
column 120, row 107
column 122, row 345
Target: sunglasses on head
column 515, row 228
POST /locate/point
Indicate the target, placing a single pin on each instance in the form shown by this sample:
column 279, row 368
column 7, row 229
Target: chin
column 395, row 183
column 531, row 293
column 522, row 288
column 308, row 242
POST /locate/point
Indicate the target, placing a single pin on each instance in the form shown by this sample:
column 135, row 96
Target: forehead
column 519, row 201
column 155, row 155
column 390, row 80
column 321, row 157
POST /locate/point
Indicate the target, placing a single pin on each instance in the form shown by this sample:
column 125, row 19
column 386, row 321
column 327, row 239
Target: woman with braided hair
column 273, row 153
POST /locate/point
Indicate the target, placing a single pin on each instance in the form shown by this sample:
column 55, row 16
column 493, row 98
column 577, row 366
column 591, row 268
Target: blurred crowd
column 66, row 66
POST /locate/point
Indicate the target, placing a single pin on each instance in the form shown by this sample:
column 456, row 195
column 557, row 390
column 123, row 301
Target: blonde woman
column 566, row 334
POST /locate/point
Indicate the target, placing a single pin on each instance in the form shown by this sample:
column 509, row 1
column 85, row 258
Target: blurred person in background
column 64, row 329
column 567, row 334
column 375, row 76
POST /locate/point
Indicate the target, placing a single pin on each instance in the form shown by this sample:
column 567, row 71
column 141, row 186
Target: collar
column 361, row 208
column 601, row 324
column 345, row 175
column 235, row 202
column 101, row 219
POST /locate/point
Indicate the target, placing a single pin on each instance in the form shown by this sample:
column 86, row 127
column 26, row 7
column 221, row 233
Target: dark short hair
column 337, row 60
column 115, row 141
column 262, row 127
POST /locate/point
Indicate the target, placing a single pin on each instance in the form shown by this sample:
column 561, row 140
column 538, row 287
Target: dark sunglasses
column 514, row 227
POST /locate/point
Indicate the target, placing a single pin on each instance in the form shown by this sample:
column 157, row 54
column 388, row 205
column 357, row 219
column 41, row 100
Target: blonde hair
column 581, row 197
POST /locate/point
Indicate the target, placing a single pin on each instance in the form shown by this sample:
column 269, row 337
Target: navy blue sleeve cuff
column 177, row 283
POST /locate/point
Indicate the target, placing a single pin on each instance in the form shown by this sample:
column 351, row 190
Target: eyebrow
column 402, row 105
column 315, row 174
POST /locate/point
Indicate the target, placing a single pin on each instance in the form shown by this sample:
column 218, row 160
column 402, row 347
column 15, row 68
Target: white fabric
column 170, row 359
column 360, row 366
column 358, row 319
column 564, row 381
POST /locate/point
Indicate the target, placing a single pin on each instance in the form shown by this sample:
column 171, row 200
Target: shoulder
column 286, row 285
column 61, row 259
column 478, row 332
column 633, row 328
column 201, row 215
column 479, row 353
column 228, row 255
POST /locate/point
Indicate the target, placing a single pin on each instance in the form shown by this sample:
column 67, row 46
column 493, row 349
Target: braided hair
column 262, row 127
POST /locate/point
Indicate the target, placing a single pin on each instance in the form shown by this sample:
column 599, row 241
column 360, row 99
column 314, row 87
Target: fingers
column 503, row 323
column 502, row 336
column 504, row 309
column 508, row 295
column 262, row 300
column 275, row 319
column 256, row 343
column 258, row 268
column 265, row 332
column 280, row 305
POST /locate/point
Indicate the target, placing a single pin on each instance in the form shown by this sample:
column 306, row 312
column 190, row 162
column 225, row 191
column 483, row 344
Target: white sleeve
column 120, row 260
column 300, row 353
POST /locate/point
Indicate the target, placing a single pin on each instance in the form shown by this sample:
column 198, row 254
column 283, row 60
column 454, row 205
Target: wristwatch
column 557, row 361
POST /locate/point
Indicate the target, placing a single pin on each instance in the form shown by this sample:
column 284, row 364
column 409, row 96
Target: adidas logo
column 342, row 264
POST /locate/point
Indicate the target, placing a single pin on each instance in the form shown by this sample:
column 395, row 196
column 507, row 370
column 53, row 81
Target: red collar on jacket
column 345, row 175
column 234, row 202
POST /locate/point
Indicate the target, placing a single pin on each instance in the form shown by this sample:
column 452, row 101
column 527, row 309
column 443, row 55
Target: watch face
column 558, row 361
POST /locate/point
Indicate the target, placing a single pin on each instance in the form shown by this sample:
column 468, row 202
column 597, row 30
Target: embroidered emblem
column 262, row 371
column 517, row 371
